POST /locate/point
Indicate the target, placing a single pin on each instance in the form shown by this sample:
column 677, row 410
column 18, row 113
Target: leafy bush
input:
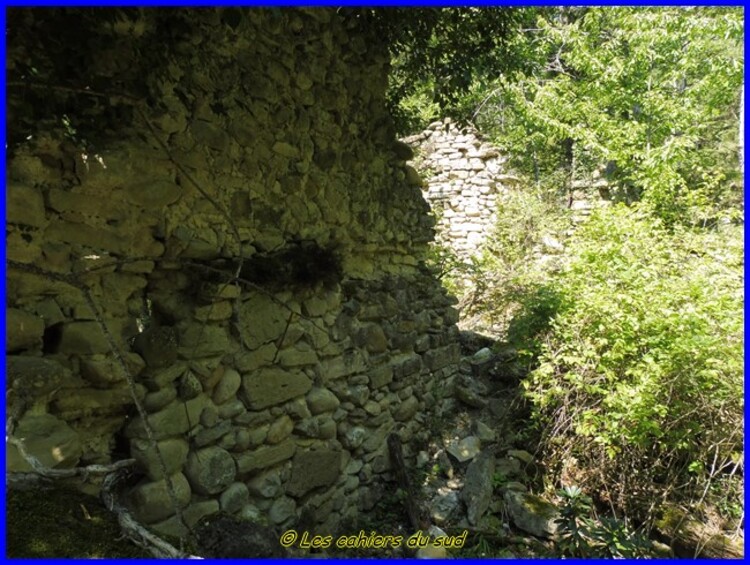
column 580, row 535
column 639, row 386
column 520, row 255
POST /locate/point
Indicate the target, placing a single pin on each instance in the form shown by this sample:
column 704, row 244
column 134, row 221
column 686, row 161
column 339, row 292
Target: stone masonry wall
column 271, row 398
column 464, row 176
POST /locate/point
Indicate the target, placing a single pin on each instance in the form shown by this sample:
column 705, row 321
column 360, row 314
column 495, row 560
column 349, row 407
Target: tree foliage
column 648, row 96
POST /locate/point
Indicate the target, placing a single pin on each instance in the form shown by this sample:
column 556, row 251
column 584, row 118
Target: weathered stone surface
column 212, row 434
column 33, row 377
column 24, row 205
column 280, row 430
column 189, row 386
column 82, row 338
column 174, row 420
column 157, row 345
column 282, row 510
column 350, row 363
column 85, row 402
column 173, row 451
column 248, row 361
column 444, row 505
column 312, row 469
column 234, row 498
column 49, row 440
column 150, row 501
column 435, row 359
column 266, row 484
column 155, row 401
column 381, row 376
column 22, row 330
column 477, row 491
column 192, row 514
column 210, row 470
column 406, row 410
column 153, row 194
column 321, row 400
column 531, row 513
column 104, row 370
column 265, row 457
column 466, row 449
column 263, row 320
column 470, row 397
column 271, row 386
column 204, row 341
column 228, row 386
column 372, row 337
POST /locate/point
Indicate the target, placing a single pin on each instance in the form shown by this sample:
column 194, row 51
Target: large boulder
column 531, row 513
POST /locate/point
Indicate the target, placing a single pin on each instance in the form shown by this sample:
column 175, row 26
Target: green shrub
column 639, row 385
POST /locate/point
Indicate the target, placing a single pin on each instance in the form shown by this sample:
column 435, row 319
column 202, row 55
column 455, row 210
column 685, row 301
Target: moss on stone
column 60, row 522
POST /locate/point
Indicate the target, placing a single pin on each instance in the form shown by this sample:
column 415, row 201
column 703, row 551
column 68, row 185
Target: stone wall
column 263, row 137
column 464, row 176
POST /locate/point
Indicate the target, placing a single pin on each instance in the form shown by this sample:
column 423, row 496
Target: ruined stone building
column 151, row 161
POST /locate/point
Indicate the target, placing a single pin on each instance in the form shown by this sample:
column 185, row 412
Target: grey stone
column 174, row 420
column 189, row 386
column 104, row 371
column 266, row 484
column 406, row 410
column 484, row 432
column 435, row 359
column 477, row 491
column 153, row 194
column 271, row 386
column 173, row 452
column 282, row 510
column 210, row 470
column 228, row 386
column 23, row 330
column 380, row 376
column 212, row 435
column 204, row 341
column 87, row 402
column 444, row 505
column 523, row 456
column 209, row 416
column 470, row 397
column 531, row 513
column 376, row 439
column 508, row 466
column 157, row 345
column 155, row 401
column 83, row 338
column 234, row 498
column 372, row 337
column 263, row 321
column 52, row 442
column 231, row 409
column 321, row 400
column 280, row 430
column 24, row 205
column 312, row 469
column 33, row 377
column 265, row 457
column 466, row 449
column 150, row 500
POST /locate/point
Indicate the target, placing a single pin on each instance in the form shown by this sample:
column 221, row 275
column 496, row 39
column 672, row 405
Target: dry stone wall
column 464, row 176
column 264, row 139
